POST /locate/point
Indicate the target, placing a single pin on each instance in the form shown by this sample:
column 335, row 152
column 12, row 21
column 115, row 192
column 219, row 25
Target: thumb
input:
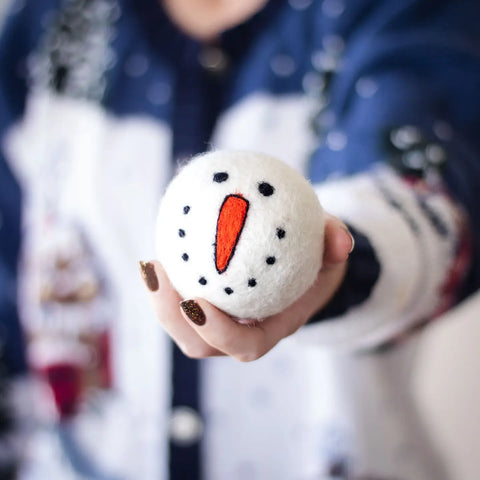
column 339, row 242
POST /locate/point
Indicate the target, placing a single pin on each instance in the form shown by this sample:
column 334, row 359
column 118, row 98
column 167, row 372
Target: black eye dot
column 265, row 189
column 202, row 281
column 185, row 257
column 280, row 233
column 252, row 282
column 181, row 233
column 228, row 291
column 186, row 209
column 271, row 260
column 220, row 177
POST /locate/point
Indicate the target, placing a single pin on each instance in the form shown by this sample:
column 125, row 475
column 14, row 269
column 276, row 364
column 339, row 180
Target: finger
column 243, row 342
column 339, row 242
column 165, row 301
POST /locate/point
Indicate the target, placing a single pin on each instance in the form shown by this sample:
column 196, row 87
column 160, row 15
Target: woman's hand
column 202, row 330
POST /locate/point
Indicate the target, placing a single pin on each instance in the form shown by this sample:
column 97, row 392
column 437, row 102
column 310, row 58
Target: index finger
column 165, row 301
column 243, row 342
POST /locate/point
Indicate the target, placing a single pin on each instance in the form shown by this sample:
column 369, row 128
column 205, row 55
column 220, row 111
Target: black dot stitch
column 228, row 291
column 252, row 282
column 265, row 189
column 271, row 260
column 186, row 209
column 202, row 281
column 280, row 233
column 220, row 177
column 185, row 257
column 181, row 233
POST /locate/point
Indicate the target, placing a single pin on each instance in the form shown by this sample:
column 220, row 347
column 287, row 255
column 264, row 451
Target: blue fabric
column 425, row 60
column 15, row 43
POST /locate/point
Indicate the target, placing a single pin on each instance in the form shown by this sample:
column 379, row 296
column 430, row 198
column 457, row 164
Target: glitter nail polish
column 193, row 312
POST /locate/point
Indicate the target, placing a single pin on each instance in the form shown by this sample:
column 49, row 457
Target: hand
column 202, row 330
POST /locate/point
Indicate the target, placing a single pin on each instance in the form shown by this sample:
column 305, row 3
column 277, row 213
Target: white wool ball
column 241, row 230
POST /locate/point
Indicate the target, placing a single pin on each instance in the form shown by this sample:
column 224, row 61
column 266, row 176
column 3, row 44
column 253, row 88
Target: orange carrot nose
column 231, row 220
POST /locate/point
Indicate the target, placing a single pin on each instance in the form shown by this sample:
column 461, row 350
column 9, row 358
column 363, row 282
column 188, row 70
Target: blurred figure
column 101, row 101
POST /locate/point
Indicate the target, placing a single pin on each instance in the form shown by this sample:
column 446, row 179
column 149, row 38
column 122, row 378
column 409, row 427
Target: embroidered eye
column 265, row 189
column 280, row 233
column 270, row 260
column 186, row 209
column 220, row 177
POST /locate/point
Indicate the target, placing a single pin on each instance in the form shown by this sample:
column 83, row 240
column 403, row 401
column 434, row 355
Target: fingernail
column 193, row 312
column 147, row 270
column 352, row 240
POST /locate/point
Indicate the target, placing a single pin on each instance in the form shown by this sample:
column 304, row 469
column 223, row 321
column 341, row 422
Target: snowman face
column 242, row 230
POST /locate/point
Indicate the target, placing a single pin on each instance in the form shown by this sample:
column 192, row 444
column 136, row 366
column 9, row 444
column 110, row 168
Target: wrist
column 360, row 275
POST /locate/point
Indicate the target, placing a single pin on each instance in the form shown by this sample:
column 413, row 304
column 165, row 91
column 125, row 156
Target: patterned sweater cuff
column 362, row 273
column 408, row 241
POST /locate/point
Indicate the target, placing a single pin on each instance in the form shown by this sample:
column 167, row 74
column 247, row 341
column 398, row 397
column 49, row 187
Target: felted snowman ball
column 242, row 230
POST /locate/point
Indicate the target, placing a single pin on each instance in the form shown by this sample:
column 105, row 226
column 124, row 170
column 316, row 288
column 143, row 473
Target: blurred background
column 447, row 385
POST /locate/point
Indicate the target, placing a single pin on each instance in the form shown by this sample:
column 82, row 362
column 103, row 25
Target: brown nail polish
column 149, row 276
column 193, row 312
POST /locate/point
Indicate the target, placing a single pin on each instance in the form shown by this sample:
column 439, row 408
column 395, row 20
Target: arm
column 408, row 165
column 410, row 226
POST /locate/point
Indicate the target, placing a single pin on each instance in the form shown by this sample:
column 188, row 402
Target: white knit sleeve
column 414, row 232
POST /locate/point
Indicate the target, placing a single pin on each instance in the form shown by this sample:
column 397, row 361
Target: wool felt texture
column 242, row 230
